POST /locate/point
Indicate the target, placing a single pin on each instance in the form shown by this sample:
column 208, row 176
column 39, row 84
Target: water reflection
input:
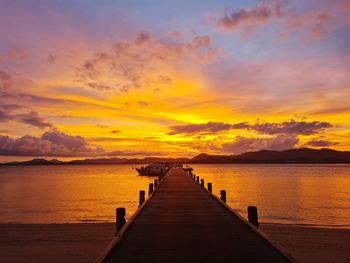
column 297, row 194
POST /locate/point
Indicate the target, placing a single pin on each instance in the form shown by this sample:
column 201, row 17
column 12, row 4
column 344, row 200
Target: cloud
column 344, row 6
column 32, row 118
column 209, row 127
column 4, row 117
column 313, row 23
column 53, row 143
column 142, row 61
column 58, row 144
column 243, row 144
column 291, row 127
column 99, row 86
column 13, row 54
column 251, row 18
column 51, row 58
column 332, row 110
column 11, row 83
column 5, row 81
column 288, row 127
column 134, row 153
column 320, row 143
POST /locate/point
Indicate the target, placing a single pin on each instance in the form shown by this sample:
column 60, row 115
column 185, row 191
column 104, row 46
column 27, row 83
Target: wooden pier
column 183, row 222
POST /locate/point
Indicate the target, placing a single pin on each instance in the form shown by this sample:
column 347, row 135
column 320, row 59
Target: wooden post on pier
column 253, row 215
column 155, row 183
column 150, row 189
column 197, row 179
column 202, row 182
column 141, row 197
column 210, row 188
column 120, row 218
column 223, row 195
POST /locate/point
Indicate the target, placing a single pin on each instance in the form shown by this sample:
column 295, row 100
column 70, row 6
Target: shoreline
column 83, row 242
column 344, row 227
column 92, row 222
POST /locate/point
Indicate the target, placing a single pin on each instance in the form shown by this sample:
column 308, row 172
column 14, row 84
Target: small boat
column 153, row 169
column 161, row 168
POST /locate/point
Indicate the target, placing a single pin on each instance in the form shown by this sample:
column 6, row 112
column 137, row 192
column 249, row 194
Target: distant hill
column 302, row 156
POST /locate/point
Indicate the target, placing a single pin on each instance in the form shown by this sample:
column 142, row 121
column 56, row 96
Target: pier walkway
column 183, row 222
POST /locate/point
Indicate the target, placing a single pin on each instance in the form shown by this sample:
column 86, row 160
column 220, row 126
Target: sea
column 309, row 195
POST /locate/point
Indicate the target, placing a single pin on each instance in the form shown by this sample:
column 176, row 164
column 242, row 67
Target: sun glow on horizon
column 172, row 87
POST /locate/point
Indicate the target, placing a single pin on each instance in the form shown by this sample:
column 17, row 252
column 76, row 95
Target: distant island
column 296, row 156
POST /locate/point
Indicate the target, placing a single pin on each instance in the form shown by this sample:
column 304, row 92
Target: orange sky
column 175, row 80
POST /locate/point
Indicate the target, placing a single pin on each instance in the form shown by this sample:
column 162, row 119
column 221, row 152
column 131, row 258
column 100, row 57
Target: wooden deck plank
column 183, row 223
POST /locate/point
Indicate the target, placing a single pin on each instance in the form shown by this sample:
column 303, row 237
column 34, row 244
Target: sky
column 112, row 78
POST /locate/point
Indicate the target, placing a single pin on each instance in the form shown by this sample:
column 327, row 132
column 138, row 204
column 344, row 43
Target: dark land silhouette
column 296, row 156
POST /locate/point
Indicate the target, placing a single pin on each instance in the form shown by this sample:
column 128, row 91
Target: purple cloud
column 314, row 23
column 5, row 81
column 320, row 143
column 209, row 127
column 243, row 144
column 251, row 18
column 13, row 54
column 291, row 127
column 138, row 62
column 32, row 118
column 54, row 143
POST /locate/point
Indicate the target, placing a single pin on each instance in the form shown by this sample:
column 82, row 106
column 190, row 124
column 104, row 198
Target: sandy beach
column 311, row 244
column 53, row 242
column 83, row 242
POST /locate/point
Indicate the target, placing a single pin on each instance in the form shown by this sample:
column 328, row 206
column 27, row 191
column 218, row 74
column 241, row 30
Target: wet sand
column 53, row 242
column 311, row 244
column 84, row 242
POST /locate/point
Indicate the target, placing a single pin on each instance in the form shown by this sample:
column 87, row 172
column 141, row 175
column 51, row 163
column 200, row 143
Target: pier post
column 210, row 188
column 202, row 182
column 197, row 179
column 223, row 195
column 155, row 183
column 150, row 189
column 253, row 215
column 141, row 197
column 120, row 218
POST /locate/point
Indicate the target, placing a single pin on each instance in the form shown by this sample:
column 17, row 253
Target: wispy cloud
column 248, row 21
column 288, row 127
column 32, row 118
column 320, row 142
column 251, row 18
column 182, row 87
column 141, row 61
column 13, row 54
column 209, row 127
column 291, row 127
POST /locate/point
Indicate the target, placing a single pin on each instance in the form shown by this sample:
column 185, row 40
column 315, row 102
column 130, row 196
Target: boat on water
column 161, row 168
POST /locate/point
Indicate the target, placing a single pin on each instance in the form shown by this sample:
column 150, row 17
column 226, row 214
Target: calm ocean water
column 288, row 194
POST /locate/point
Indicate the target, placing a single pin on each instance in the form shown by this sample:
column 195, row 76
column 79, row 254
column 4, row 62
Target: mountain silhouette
column 302, row 156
